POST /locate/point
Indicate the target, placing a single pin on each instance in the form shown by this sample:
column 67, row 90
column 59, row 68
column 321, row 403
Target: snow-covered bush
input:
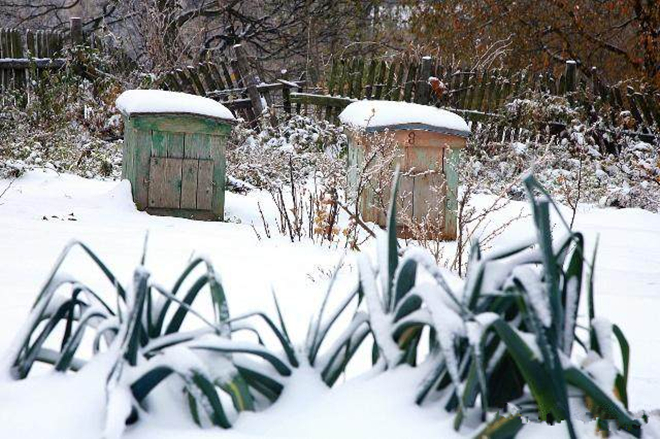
column 64, row 121
column 505, row 339
column 578, row 154
column 266, row 158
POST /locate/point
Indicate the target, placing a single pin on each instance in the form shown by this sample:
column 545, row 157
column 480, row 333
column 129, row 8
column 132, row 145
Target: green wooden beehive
column 174, row 152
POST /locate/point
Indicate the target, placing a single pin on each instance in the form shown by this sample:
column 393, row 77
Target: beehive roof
column 133, row 102
column 380, row 115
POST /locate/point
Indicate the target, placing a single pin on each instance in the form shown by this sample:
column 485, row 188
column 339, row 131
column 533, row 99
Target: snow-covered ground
column 42, row 211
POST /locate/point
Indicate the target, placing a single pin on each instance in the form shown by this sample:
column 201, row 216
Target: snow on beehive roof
column 161, row 101
column 378, row 115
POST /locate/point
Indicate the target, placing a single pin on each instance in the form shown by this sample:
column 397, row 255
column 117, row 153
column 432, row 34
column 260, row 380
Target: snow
column 34, row 229
column 161, row 101
column 375, row 115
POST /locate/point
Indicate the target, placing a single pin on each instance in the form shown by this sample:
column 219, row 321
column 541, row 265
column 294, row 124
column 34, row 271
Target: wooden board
column 189, row 184
column 205, row 185
column 142, row 153
column 180, row 123
column 165, row 182
column 197, row 146
column 157, row 185
column 217, row 151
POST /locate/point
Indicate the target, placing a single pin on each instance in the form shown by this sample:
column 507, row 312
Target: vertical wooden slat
column 217, row 76
column 197, row 146
column 570, row 74
column 189, row 168
column 464, row 87
column 157, row 183
column 183, row 80
column 172, row 82
column 331, row 88
column 143, row 143
column 333, row 76
column 423, row 88
column 455, row 85
column 630, row 92
column 371, row 74
column 359, row 74
column 387, row 92
column 205, row 185
column 159, row 140
column 175, row 144
column 193, row 74
column 217, row 150
column 452, row 160
column 75, row 29
column 382, row 70
column 230, row 78
column 350, row 78
column 469, row 93
column 410, row 80
column 249, row 80
column 341, row 81
column 644, row 107
column 653, row 102
column 286, row 93
column 172, row 195
column 495, row 104
column 29, row 37
column 209, row 82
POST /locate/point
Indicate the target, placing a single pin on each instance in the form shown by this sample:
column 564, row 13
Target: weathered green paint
column 175, row 145
column 159, row 143
column 189, row 170
column 180, row 123
column 452, row 161
column 166, row 155
column 217, row 149
column 198, row 146
column 142, row 153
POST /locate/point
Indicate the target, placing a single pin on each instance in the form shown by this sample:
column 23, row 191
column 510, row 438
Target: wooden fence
column 26, row 51
column 231, row 81
column 476, row 94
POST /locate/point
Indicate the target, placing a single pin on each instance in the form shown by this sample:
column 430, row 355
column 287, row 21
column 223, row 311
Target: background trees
column 621, row 38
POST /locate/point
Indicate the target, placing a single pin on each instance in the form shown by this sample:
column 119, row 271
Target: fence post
column 571, row 76
column 286, row 93
column 249, row 80
column 75, row 25
column 423, row 89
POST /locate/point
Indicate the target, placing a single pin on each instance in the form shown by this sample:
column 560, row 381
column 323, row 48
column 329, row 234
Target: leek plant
column 503, row 342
